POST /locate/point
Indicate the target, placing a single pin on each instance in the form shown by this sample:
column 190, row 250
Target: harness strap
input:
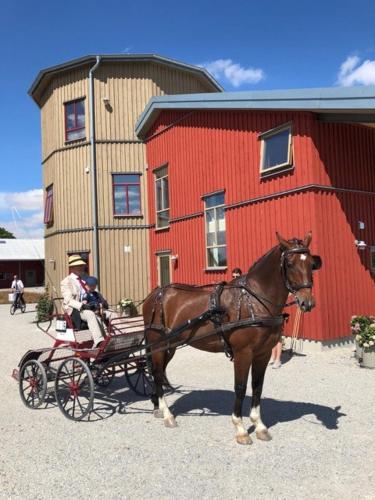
column 217, row 314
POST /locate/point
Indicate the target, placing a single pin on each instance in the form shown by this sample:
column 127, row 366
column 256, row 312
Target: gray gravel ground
column 319, row 407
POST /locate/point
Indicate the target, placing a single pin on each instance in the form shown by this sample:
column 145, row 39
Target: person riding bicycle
column 18, row 288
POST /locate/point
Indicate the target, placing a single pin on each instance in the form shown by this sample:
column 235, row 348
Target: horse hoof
column 243, row 439
column 263, row 435
column 158, row 413
column 170, row 422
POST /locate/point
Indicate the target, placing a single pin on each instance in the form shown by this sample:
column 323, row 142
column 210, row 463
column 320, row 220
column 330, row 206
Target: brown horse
column 243, row 317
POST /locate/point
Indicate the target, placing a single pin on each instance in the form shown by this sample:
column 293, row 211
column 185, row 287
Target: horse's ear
column 283, row 242
column 307, row 239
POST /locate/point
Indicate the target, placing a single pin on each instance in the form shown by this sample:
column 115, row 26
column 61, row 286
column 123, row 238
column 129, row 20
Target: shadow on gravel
column 218, row 402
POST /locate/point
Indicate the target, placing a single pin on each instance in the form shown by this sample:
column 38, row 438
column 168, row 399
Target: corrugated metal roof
column 47, row 73
column 320, row 100
column 21, row 249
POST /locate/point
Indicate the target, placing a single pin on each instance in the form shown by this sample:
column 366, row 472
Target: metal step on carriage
column 72, row 369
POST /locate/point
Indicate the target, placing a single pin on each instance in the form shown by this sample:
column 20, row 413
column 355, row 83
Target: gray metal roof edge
column 310, row 99
column 73, row 63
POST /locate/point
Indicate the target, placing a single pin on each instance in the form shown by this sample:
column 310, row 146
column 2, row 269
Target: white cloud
column 21, row 213
column 27, row 200
column 234, row 73
column 352, row 72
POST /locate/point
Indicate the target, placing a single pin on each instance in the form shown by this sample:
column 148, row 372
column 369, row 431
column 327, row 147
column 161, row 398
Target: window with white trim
column 276, row 149
column 216, row 248
column 162, row 197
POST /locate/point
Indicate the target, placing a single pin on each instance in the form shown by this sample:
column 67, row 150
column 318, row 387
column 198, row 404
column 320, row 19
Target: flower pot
column 358, row 350
column 368, row 357
column 127, row 311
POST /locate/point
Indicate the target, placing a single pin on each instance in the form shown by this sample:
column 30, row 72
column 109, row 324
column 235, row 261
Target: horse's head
column 297, row 266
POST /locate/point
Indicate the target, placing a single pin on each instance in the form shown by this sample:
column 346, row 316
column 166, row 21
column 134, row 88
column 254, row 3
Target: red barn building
column 24, row 258
column 226, row 171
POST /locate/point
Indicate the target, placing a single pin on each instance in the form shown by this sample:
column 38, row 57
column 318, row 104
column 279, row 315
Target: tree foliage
column 6, row 234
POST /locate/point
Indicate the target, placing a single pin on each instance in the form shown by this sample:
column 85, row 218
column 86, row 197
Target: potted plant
column 363, row 328
column 126, row 306
column 44, row 307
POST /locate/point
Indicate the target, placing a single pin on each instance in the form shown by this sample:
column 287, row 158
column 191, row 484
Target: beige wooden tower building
column 94, row 166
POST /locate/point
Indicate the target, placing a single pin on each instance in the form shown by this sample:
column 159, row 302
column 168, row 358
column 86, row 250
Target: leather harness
column 216, row 313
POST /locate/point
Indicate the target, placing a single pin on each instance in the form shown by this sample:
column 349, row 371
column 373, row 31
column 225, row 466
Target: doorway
column 30, row 277
column 164, row 268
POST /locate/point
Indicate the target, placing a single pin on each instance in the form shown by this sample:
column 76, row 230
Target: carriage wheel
column 139, row 376
column 74, row 389
column 32, row 383
column 105, row 377
column 12, row 309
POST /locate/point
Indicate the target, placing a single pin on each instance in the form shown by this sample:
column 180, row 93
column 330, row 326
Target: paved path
column 319, row 407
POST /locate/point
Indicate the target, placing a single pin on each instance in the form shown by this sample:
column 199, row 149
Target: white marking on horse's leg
column 169, row 420
column 242, row 436
column 261, row 430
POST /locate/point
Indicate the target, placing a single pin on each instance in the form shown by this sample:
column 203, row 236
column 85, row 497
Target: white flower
column 358, row 337
column 371, row 342
column 365, row 344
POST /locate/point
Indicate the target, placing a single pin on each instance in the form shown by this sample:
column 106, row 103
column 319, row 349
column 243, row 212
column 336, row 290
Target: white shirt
column 17, row 285
column 82, row 290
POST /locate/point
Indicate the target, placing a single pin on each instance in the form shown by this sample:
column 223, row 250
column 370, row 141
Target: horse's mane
column 264, row 256
column 295, row 241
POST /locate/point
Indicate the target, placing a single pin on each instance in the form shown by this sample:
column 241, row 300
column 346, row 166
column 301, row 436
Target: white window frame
column 216, row 245
column 160, row 254
column 271, row 133
column 158, row 179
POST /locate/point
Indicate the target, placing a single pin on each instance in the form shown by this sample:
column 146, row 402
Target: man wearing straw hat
column 73, row 289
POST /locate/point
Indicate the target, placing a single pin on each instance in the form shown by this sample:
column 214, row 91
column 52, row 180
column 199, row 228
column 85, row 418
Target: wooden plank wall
column 129, row 86
column 210, row 151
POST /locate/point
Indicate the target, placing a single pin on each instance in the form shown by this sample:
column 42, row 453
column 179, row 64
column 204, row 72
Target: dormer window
column 276, row 149
column 75, row 120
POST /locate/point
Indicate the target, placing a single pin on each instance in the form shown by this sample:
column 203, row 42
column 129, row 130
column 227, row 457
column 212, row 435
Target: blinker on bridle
column 292, row 288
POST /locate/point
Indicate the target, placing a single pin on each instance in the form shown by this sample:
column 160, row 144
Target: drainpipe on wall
column 94, row 202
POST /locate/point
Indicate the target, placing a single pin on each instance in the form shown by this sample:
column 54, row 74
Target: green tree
column 6, row 234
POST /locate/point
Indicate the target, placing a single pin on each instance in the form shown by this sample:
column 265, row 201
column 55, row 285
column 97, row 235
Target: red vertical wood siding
column 214, row 150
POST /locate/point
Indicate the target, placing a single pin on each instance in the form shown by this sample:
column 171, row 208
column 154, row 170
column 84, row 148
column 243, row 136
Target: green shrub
column 44, row 307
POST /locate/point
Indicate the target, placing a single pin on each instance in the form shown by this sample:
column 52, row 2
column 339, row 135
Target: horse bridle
column 293, row 288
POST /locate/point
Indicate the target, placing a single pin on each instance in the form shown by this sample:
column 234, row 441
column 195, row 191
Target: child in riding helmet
column 92, row 298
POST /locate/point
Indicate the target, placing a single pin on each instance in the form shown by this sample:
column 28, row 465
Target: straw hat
column 76, row 260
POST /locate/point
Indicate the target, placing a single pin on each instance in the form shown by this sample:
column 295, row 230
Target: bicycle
column 17, row 304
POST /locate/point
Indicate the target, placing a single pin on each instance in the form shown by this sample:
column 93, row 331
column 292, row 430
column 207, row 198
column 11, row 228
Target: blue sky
column 245, row 44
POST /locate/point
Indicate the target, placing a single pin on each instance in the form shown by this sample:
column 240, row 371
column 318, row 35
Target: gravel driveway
column 319, row 407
